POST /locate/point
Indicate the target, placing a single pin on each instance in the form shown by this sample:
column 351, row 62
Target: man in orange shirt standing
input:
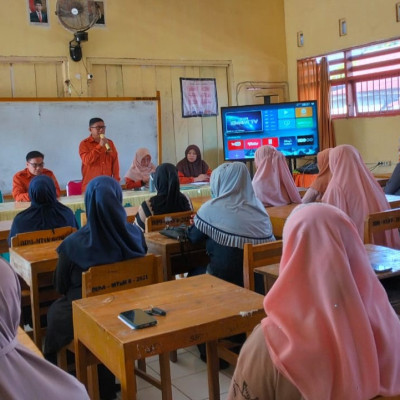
column 22, row 179
column 98, row 154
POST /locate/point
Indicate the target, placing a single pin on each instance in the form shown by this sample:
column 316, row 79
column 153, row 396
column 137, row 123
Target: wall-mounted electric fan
column 77, row 16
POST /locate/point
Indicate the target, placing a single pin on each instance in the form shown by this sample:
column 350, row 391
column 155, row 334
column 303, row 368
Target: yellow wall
column 367, row 21
column 250, row 34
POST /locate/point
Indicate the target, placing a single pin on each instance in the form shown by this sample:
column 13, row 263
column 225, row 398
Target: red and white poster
column 199, row 97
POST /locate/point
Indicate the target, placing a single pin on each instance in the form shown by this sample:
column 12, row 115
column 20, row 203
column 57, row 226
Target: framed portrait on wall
column 100, row 6
column 199, row 97
column 38, row 12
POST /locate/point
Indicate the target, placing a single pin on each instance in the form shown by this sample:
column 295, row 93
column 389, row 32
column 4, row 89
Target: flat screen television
column 290, row 127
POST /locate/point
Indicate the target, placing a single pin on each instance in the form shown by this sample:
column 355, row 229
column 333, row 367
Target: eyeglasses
column 98, row 128
column 34, row 165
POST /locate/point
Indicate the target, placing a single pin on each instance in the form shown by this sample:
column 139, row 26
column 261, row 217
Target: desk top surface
column 189, row 302
column 25, row 340
column 36, row 252
column 131, row 198
column 377, row 255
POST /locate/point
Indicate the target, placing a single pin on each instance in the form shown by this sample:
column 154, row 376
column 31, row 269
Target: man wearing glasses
column 98, row 154
column 22, row 179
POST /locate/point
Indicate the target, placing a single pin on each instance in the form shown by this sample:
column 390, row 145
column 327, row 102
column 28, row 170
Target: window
column 365, row 80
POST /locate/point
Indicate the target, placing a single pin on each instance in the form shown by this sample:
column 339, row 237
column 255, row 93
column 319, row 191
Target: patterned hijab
column 234, row 216
column 330, row 327
column 45, row 212
column 168, row 199
column 273, row 183
column 192, row 169
column 137, row 172
column 107, row 237
column 324, row 176
column 355, row 191
column 24, row 375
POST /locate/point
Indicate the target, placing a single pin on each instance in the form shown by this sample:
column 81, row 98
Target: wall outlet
column 385, row 163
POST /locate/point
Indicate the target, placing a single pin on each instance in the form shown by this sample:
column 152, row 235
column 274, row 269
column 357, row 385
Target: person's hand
column 202, row 178
column 191, row 220
column 104, row 142
column 145, row 180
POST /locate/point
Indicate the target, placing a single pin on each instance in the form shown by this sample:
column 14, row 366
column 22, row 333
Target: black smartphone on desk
column 137, row 319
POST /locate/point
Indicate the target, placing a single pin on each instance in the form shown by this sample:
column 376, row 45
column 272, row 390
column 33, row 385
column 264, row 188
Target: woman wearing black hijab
column 45, row 212
column 106, row 238
column 168, row 199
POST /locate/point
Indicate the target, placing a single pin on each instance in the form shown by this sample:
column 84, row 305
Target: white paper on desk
column 200, row 183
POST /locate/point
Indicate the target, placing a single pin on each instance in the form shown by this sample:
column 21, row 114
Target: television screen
column 290, row 127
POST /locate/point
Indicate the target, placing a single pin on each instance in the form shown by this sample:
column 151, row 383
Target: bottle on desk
column 151, row 183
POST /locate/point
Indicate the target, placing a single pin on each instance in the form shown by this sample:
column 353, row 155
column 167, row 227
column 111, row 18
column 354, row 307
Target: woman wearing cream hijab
column 330, row 331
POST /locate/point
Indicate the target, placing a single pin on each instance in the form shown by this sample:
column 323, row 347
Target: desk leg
column 128, row 380
column 213, row 370
column 165, row 375
column 81, row 362
column 37, row 334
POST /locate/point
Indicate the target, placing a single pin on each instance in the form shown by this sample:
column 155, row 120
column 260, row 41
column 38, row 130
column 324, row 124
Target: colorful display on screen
column 290, row 127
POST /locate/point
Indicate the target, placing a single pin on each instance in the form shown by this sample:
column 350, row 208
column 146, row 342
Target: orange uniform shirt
column 183, row 180
column 21, row 181
column 96, row 161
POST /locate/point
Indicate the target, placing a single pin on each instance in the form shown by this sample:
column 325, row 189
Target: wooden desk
column 199, row 309
column 199, row 201
column 393, row 200
column 131, row 198
column 5, row 227
column 25, row 340
column 278, row 216
column 35, row 264
column 177, row 258
column 377, row 255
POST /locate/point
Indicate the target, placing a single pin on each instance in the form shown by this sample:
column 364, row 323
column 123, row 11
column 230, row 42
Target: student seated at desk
column 22, row 179
column 168, row 199
column 330, row 331
column 138, row 174
column 318, row 187
column 106, row 238
column 233, row 217
column 355, row 191
column 393, row 184
column 45, row 212
column 192, row 168
column 273, row 183
column 24, row 375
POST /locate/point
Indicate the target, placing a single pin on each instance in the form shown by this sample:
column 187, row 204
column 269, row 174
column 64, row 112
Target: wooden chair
column 158, row 222
column 387, row 398
column 43, row 236
column 381, row 221
column 258, row 255
column 129, row 218
column 108, row 278
column 253, row 256
column 46, row 290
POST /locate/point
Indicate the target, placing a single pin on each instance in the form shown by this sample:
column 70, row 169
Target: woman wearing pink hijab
column 138, row 174
column 318, row 187
column 355, row 191
column 24, row 375
column 330, row 331
column 273, row 183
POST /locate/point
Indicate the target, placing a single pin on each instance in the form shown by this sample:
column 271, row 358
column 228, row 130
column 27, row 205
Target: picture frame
column 300, row 39
column 398, row 12
column 101, row 21
column 199, row 97
column 342, row 27
column 38, row 12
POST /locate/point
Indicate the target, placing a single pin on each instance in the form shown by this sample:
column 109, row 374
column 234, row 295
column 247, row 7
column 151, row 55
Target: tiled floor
column 189, row 378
